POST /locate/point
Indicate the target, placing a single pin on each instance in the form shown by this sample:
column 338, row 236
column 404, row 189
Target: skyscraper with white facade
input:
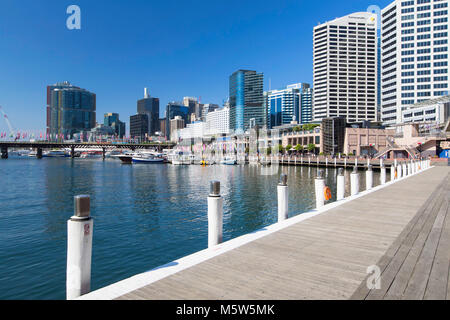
column 414, row 48
column 218, row 121
column 345, row 68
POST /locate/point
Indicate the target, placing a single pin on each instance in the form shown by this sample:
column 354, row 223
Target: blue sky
column 175, row 48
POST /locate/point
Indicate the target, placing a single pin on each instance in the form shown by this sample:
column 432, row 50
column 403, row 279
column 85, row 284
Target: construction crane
column 11, row 130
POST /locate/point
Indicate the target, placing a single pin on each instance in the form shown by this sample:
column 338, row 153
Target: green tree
column 288, row 147
column 311, row 147
column 299, row 148
column 280, row 148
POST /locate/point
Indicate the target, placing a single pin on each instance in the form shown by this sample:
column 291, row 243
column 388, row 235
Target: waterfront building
column 207, row 108
column 218, row 121
column 177, row 123
column 414, row 55
column 70, row 110
column 102, row 131
column 174, row 109
column 345, row 63
column 246, row 100
column 112, row 120
column 436, row 111
column 303, row 138
column 139, row 126
column 361, row 141
column 333, row 134
column 150, row 107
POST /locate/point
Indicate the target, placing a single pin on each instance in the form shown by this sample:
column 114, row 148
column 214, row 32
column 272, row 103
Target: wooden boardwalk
column 404, row 229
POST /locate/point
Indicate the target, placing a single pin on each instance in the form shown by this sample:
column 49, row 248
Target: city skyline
column 191, row 75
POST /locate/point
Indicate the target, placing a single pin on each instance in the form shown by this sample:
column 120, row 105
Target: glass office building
column 285, row 105
column 112, row 120
column 150, row 107
column 246, row 100
column 70, row 110
column 174, row 109
column 306, row 105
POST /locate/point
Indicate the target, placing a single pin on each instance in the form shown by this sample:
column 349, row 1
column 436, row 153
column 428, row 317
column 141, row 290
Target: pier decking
column 404, row 229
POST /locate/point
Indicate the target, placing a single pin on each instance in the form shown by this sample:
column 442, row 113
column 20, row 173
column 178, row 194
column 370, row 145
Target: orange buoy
column 395, row 174
column 327, row 193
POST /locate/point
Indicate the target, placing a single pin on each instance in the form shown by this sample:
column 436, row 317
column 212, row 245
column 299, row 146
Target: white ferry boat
column 55, row 153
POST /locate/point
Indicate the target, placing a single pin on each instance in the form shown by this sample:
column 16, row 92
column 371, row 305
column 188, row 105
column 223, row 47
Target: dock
column 403, row 229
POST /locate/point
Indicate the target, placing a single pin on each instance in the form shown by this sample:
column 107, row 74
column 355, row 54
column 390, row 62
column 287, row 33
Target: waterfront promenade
column 403, row 228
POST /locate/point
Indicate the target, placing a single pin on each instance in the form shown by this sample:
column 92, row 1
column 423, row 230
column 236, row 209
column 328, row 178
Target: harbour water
column 144, row 215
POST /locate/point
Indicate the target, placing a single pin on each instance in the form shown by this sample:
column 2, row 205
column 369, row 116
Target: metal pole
column 383, row 174
column 79, row 249
column 340, row 185
column 283, row 198
column 354, row 181
column 369, row 178
column 320, row 186
column 215, row 215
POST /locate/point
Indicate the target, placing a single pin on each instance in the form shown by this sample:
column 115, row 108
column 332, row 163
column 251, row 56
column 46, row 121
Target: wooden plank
column 388, row 266
column 419, row 279
column 438, row 280
column 408, row 263
column 324, row 257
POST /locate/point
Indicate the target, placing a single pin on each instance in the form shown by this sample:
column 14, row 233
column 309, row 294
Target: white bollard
column 399, row 171
column 369, row 178
column 368, row 162
column 79, row 249
column 283, row 198
column 381, row 162
column 395, row 163
column 404, row 169
column 383, row 174
column 320, row 186
column 409, row 169
column 392, row 172
column 326, row 162
column 354, row 182
column 345, row 162
column 340, row 194
column 215, row 215
column 356, row 162
column 335, row 162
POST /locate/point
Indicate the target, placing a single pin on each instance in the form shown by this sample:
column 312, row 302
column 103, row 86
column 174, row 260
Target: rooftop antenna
column 146, row 95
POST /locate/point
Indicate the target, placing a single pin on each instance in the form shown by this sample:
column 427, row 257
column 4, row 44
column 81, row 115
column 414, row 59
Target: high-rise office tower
column 174, row 109
column 283, row 106
column 112, row 120
column 70, row 110
column 195, row 108
column 246, row 100
column 306, row 105
column 414, row 48
column 139, row 126
column 150, row 107
column 345, row 68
